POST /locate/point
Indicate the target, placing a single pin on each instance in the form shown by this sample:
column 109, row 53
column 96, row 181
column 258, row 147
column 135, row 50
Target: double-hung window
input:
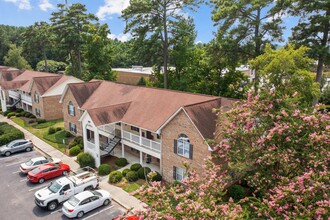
column 71, row 109
column 178, row 173
column 183, row 147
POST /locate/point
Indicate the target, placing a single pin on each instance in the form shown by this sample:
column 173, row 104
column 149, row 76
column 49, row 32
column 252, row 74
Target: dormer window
column 71, row 109
column 36, row 97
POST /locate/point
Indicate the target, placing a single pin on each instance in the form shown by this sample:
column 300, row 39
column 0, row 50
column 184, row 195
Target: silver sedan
column 36, row 162
column 85, row 202
column 16, row 146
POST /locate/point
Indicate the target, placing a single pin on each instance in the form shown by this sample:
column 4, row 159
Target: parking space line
column 16, row 172
column 8, row 165
column 58, row 210
column 98, row 212
column 37, row 187
column 17, row 155
column 24, row 180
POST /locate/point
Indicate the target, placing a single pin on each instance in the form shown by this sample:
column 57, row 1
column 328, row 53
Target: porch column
column 122, row 150
column 141, row 158
column 84, row 131
column 97, row 146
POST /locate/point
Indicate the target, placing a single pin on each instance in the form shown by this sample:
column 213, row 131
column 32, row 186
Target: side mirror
column 61, row 193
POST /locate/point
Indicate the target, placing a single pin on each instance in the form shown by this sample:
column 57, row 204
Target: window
column 36, row 97
column 90, row 136
column 135, row 129
column 72, row 127
column 71, row 109
column 178, row 173
column 38, row 114
column 84, row 202
column 183, row 147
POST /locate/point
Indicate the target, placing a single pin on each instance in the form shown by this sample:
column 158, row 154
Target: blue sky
column 26, row 12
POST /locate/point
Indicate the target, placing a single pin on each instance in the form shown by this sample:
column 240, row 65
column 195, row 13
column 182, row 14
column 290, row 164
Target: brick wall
column 68, row 118
column 52, row 108
column 129, row 78
column 39, row 104
column 181, row 124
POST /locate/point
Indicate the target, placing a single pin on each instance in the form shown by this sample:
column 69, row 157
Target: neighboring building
column 6, row 76
column 74, row 96
column 132, row 75
column 160, row 127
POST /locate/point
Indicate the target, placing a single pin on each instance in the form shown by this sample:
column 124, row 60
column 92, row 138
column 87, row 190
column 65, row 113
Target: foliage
column 121, row 162
column 132, row 176
column 287, row 70
column 267, row 139
column 236, row 192
column 135, row 167
column 53, row 66
column 51, row 130
column 14, row 58
column 57, row 137
column 104, row 169
column 19, row 110
column 5, row 113
column 85, row 159
column 142, row 81
column 154, row 176
column 41, row 121
column 325, row 96
column 31, row 121
column 132, row 187
column 68, row 134
column 11, row 114
column 9, row 133
column 58, row 129
column 143, row 172
column 115, row 177
column 125, row 171
column 74, row 151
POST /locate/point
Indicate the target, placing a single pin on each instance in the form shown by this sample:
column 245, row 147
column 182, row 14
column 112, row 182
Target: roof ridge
column 202, row 102
column 47, row 76
column 107, row 106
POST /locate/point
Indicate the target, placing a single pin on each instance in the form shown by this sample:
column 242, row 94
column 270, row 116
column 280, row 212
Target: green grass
column 56, row 140
column 44, row 125
column 132, row 187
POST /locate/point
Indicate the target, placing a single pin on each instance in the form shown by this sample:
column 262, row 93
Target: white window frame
column 73, row 127
column 36, row 97
column 179, row 175
column 183, row 147
column 71, row 109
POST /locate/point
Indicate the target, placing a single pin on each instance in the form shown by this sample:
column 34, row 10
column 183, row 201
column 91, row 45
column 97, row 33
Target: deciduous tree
column 14, row 58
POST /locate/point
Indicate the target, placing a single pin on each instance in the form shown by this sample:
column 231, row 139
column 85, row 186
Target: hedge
column 68, row 134
column 115, row 176
column 19, row 110
column 136, row 167
column 58, row 129
column 51, row 130
column 125, row 171
column 79, row 140
column 132, row 176
column 236, row 192
column 143, row 172
column 85, row 159
column 74, row 151
column 11, row 114
column 40, row 121
column 6, row 113
column 155, row 176
column 9, row 133
column 121, row 162
column 104, row 169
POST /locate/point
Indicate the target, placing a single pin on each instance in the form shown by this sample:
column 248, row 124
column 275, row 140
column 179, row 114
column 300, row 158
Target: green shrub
column 85, row 159
column 19, row 110
column 1, row 132
column 79, row 140
column 81, row 146
column 11, row 114
column 6, row 113
column 32, row 116
column 143, row 172
column 51, row 130
column 136, row 167
column 104, row 169
column 17, row 114
column 132, row 176
column 121, row 162
column 58, row 129
column 39, row 120
column 236, row 192
column 74, row 151
column 27, row 114
column 9, row 133
column 68, row 134
column 155, row 176
column 125, row 171
column 31, row 121
column 114, row 167
column 115, row 177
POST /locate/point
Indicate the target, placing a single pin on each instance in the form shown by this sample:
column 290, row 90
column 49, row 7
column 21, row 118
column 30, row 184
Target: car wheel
column 28, row 149
column 52, row 206
column 7, row 153
column 65, row 173
column 106, row 202
column 88, row 188
column 80, row 214
column 42, row 180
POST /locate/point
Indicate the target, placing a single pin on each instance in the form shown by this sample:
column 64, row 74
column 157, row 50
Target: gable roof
column 59, row 88
column 149, row 107
column 45, row 83
column 82, row 91
column 9, row 75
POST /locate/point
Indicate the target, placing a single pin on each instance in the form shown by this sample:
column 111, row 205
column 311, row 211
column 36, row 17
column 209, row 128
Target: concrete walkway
column 118, row 195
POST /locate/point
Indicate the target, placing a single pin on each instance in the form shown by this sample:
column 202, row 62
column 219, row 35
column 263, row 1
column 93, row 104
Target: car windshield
column 36, row 170
column 73, row 201
column 29, row 163
column 54, row 187
column 96, row 193
column 11, row 144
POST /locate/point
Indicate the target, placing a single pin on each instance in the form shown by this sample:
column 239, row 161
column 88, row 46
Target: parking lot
column 17, row 194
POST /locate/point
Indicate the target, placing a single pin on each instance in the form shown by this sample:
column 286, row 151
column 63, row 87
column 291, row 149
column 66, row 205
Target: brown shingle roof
column 9, row 75
column 28, row 75
column 82, row 91
column 149, row 108
column 45, row 83
column 110, row 114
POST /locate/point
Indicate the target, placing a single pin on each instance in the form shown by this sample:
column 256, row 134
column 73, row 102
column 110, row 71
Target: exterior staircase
column 106, row 150
column 15, row 103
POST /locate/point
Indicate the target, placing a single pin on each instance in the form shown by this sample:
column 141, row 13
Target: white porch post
column 3, row 100
column 122, row 145
column 141, row 158
column 122, row 150
column 97, row 146
column 84, row 131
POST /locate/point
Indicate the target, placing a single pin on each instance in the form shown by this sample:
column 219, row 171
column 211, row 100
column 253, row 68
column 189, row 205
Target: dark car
column 16, row 146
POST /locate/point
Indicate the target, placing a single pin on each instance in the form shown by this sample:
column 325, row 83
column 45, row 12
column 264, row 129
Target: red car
column 48, row 171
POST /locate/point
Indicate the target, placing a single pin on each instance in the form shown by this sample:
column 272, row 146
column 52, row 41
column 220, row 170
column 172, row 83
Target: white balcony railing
column 26, row 98
column 13, row 94
column 145, row 143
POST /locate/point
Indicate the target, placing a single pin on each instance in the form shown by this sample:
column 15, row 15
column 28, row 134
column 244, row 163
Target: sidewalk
column 118, row 195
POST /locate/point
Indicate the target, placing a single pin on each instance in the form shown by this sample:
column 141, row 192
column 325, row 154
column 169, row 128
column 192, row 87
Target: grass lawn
column 41, row 131
column 132, row 187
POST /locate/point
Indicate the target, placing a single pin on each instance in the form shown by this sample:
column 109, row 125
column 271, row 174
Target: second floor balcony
column 26, row 99
column 14, row 94
column 143, row 142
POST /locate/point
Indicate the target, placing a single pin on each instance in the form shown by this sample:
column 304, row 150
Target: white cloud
column 22, row 4
column 111, row 7
column 120, row 37
column 44, row 5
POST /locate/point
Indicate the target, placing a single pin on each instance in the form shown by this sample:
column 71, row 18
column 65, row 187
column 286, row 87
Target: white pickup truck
column 63, row 188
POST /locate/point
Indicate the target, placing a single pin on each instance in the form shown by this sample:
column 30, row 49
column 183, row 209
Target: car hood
column 24, row 166
column 43, row 194
column 4, row 147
